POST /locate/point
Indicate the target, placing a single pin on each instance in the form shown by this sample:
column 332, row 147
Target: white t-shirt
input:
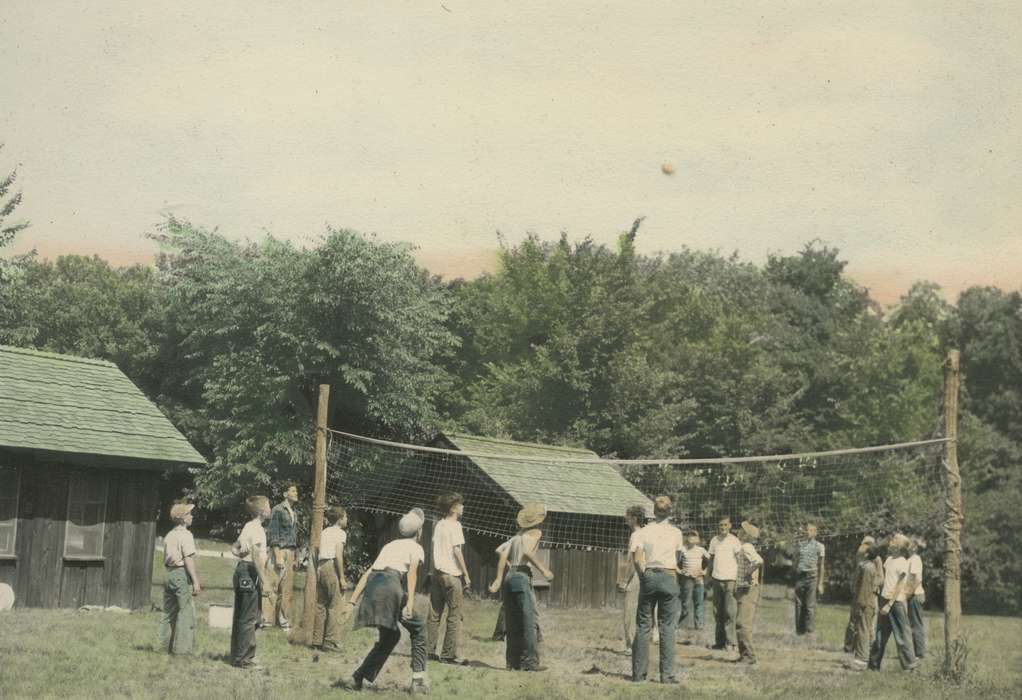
column 692, row 560
column 894, row 567
column 253, row 539
column 332, row 538
column 447, row 534
column 724, row 551
column 398, row 555
column 661, row 542
column 915, row 568
column 177, row 546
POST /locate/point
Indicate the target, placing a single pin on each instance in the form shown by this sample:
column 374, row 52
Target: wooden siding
column 41, row 577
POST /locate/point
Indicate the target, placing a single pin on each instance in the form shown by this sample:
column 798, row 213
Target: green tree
column 13, row 328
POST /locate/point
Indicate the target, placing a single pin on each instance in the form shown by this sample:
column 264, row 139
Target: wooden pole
column 954, row 652
column 318, row 508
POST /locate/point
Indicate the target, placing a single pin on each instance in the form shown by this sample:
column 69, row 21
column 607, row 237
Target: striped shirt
column 692, row 561
column 810, row 552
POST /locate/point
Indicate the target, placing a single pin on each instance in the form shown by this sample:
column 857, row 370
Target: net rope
column 845, row 492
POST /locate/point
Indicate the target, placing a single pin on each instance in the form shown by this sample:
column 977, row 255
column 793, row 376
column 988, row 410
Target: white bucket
column 221, row 616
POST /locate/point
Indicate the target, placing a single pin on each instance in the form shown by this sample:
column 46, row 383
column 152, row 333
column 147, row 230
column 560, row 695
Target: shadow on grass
column 616, row 652
column 597, row 671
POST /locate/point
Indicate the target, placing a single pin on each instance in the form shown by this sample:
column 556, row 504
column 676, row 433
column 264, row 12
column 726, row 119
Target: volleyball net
column 844, row 492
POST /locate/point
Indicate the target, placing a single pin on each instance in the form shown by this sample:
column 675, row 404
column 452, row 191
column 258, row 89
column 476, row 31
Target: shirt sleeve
column 751, row 554
column 458, row 536
column 634, row 542
column 506, row 545
column 681, row 542
column 823, row 550
column 713, row 547
column 187, row 545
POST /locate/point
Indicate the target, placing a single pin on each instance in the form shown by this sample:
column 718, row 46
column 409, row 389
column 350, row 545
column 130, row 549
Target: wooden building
column 81, row 454
column 585, row 535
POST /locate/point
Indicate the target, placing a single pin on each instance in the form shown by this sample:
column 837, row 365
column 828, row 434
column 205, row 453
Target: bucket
column 221, row 616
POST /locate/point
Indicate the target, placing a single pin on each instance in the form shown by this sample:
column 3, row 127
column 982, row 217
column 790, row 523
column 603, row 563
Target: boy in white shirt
column 724, row 549
column 694, row 559
column 330, row 582
column 177, row 626
column 635, row 517
column 250, row 582
column 747, row 591
column 893, row 617
column 655, row 550
column 916, row 597
column 448, row 578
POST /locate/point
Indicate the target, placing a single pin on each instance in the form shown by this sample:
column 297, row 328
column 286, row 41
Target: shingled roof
column 589, row 488
column 67, row 404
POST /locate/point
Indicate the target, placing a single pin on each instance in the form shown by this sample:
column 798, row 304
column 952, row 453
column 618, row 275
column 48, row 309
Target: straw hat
column 411, row 522
column 750, row 530
column 178, row 511
column 531, row 515
column 868, row 539
column 899, row 541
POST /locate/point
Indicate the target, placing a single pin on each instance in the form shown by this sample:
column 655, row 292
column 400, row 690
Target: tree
column 13, row 328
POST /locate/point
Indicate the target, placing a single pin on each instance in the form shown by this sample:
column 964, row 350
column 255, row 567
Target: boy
column 655, row 549
column 724, row 549
column 447, row 580
column 693, row 568
column 635, row 516
column 282, row 537
column 869, row 580
column 893, row 615
column 177, row 626
column 916, row 597
column 249, row 583
column 809, row 571
column 330, row 582
column 747, row 591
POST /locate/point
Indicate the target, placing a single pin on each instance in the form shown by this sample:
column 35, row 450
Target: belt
column 172, row 568
column 660, row 568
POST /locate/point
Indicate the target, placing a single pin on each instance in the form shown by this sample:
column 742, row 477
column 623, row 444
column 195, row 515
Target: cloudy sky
column 888, row 129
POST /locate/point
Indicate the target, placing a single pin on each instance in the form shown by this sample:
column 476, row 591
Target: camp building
column 81, row 454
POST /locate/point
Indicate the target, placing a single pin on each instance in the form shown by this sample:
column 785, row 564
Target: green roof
column 67, row 404
column 589, row 488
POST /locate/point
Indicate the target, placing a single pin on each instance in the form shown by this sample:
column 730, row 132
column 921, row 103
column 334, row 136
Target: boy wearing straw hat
column 747, row 591
column 655, row 550
column 177, row 625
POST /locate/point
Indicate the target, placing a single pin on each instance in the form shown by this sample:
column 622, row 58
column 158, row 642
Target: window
column 86, row 515
column 9, row 488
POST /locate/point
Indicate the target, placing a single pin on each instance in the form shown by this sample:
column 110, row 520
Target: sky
column 890, row 129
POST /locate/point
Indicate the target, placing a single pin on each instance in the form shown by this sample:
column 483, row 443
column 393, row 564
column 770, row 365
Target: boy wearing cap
column 893, row 615
column 381, row 601
column 809, row 571
column 747, row 591
column 694, row 559
column 330, row 582
column 522, row 642
column 448, row 579
column 724, row 549
column 249, row 583
column 655, row 550
column 177, row 625
column 282, row 537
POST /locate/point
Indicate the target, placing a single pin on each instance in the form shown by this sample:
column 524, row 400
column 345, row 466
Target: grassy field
column 71, row 654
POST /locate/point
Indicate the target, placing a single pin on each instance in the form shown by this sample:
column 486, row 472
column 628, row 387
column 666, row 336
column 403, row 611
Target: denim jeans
column 692, row 601
column 915, row 618
column 896, row 623
column 658, row 592
column 522, row 642
column 725, row 609
column 805, row 602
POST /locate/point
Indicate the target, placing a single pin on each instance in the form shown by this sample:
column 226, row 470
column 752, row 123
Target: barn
column 585, row 535
column 82, row 451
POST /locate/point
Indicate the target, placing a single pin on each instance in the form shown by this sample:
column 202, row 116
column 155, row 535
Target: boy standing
column 330, row 582
column 747, row 591
column 724, row 549
column 916, row 597
column 448, row 579
column 635, row 516
column 809, row 555
column 177, row 626
column 282, row 536
column 893, row 615
column 693, row 568
column 869, row 580
column 655, row 550
column 249, row 583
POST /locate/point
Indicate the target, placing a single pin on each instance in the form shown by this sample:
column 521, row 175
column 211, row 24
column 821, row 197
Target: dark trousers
column 522, row 643
column 896, row 623
column 658, row 593
column 805, row 601
column 386, row 642
column 725, row 609
column 445, row 591
column 248, row 594
column 915, row 618
column 692, row 601
column 745, row 625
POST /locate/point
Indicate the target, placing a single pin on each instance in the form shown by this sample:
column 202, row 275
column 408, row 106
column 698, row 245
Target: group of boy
column 670, row 568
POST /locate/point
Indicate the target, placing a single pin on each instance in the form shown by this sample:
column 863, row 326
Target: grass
column 71, row 654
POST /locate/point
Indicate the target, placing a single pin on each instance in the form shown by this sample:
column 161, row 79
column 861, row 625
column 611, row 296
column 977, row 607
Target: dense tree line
column 686, row 353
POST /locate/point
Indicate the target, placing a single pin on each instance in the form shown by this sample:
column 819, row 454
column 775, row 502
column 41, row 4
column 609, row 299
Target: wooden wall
column 41, row 577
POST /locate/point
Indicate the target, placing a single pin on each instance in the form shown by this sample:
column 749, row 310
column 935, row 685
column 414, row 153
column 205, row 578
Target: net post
column 318, row 508
column 954, row 652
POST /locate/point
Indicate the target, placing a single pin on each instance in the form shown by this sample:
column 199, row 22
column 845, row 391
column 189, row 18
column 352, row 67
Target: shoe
column 432, row 657
column 420, row 686
column 357, row 680
column 855, row 665
column 748, row 660
column 537, row 669
column 671, row 680
column 716, row 647
column 329, row 648
column 913, row 666
column 454, row 661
